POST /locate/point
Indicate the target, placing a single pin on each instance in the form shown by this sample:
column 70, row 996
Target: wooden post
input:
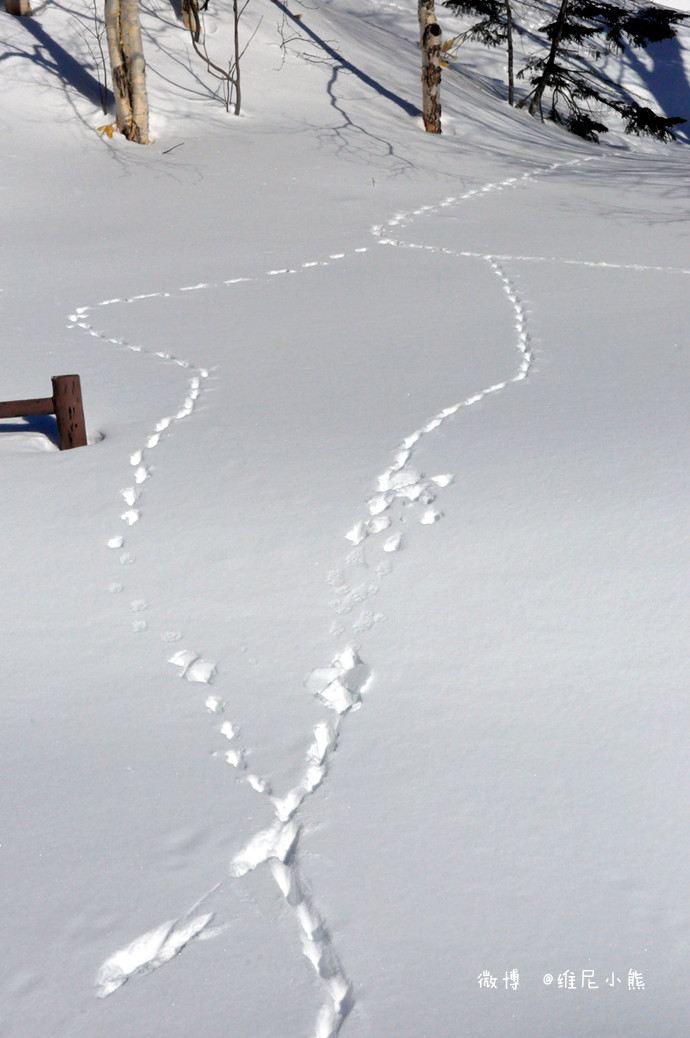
column 65, row 404
column 69, row 411
column 25, row 408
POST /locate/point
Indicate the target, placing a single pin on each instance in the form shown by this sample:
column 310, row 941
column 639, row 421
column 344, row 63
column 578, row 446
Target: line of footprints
column 401, row 492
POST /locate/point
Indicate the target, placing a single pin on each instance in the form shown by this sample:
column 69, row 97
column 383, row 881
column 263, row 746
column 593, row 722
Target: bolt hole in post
column 65, row 403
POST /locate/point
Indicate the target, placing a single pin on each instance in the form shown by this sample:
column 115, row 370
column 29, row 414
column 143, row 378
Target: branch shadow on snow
column 154, row 40
column 52, row 57
column 347, row 66
column 340, row 131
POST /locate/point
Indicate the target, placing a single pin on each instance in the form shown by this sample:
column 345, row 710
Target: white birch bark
column 126, row 51
column 190, row 17
column 113, row 32
column 430, row 40
column 18, row 7
column 134, row 53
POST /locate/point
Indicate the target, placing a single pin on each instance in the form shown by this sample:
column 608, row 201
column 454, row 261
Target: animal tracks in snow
column 149, row 951
column 139, row 460
column 401, row 493
column 339, row 687
column 402, row 490
column 193, row 667
column 403, row 219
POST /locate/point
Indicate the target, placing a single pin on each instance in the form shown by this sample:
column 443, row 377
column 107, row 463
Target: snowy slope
column 346, row 663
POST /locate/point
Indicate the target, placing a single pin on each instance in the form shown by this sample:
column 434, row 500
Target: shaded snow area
column 344, row 680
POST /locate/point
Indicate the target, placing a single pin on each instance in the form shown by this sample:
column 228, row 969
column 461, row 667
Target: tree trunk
column 511, row 62
column 190, row 17
column 535, row 103
column 18, row 7
column 123, row 101
column 236, row 14
column 128, row 69
column 430, row 42
column 134, row 51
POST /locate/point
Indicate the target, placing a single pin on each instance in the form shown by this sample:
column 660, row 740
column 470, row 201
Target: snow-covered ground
column 347, row 662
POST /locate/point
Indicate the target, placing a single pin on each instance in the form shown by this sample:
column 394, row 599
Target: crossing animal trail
column 374, row 539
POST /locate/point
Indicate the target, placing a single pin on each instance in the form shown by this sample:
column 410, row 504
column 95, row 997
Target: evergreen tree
column 494, row 28
column 566, row 85
column 577, row 92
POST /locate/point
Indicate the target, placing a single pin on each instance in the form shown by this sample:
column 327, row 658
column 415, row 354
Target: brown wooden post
column 26, row 408
column 69, row 411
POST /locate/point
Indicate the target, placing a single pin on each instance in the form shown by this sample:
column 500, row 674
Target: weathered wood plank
column 22, row 408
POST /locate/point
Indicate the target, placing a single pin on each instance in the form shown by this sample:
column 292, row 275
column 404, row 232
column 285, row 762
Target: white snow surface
column 388, row 445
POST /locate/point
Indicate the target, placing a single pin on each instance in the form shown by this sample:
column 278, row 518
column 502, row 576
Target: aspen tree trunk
column 535, row 103
column 190, row 17
column 129, row 69
column 430, row 42
column 113, row 32
column 19, row 7
column 134, row 51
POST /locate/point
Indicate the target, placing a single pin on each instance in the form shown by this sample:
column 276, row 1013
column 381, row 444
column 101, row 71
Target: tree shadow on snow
column 52, row 57
column 372, row 146
column 666, row 81
column 345, row 65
